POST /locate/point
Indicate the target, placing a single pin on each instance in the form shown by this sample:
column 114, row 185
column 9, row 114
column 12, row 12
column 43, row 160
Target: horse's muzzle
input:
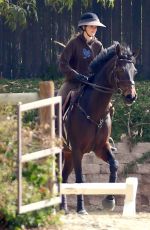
column 129, row 99
column 130, row 95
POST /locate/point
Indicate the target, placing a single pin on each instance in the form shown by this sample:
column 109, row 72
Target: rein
column 116, row 88
column 88, row 117
column 99, row 88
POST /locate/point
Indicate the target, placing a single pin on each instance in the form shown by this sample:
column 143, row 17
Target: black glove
column 82, row 78
column 91, row 77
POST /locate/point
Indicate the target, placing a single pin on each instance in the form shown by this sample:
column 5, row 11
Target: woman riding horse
column 88, row 121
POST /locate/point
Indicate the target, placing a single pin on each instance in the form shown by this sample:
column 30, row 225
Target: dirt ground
column 104, row 221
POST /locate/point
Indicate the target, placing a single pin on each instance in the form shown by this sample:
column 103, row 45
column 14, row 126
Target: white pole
column 130, row 198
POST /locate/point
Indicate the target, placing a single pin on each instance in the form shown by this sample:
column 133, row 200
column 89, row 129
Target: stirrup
column 113, row 147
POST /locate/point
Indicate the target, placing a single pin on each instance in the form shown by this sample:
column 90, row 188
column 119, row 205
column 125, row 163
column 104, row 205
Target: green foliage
column 14, row 221
column 60, row 4
column 36, row 181
column 133, row 122
column 17, row 15
column 39, row 174
column 19, row 86
column 107, row 3
column 30, row 117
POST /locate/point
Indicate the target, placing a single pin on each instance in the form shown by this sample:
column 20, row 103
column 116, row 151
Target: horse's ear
column 118, row 50
column 136, row 53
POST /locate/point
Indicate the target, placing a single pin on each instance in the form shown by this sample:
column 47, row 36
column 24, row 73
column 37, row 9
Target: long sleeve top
column 77, row 56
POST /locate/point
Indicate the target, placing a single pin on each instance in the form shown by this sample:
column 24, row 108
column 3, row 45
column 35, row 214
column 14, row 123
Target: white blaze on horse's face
column 126, row 74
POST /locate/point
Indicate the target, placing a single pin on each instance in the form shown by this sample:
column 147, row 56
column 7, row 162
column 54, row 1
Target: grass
column 23, row 85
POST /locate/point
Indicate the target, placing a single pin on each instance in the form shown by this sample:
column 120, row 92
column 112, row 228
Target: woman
column 78, row 54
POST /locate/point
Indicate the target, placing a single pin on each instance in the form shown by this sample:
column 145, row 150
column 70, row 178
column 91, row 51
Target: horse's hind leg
column 67, row 169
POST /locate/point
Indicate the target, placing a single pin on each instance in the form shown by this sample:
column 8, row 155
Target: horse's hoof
column 65, row 211
column 83, row 212
column 108, row 204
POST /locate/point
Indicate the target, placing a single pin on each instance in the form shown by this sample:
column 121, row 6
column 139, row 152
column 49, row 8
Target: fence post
column 47, row 120
column 47, row 113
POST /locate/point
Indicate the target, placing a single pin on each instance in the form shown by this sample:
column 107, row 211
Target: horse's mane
column 103, row 57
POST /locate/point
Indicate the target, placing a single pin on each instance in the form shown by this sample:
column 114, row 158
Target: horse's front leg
column 67, row 169
column 107, row 156
column 77, row 163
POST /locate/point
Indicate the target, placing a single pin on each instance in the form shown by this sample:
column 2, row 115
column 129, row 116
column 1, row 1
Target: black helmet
column 90, row 19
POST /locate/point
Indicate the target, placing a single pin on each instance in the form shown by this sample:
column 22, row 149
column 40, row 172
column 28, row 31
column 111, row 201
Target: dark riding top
column 77, row 57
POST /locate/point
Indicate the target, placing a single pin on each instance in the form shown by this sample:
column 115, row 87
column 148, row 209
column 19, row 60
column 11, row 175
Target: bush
column 133, row 122
column 36, row 175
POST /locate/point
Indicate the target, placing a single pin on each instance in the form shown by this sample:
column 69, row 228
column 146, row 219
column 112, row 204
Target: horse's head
column 114, row 70
column 124, row 72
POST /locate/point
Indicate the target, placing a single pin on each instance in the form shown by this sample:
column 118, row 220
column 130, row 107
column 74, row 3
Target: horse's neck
column 99, row 102
column 96, row 103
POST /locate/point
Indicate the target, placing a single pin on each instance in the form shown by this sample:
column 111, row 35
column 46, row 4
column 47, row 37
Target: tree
column 18, row 12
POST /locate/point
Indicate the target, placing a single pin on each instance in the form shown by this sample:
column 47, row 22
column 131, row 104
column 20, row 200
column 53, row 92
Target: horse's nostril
column 130, row 98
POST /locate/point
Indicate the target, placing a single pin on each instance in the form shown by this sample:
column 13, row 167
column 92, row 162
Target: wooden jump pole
column 129, row 189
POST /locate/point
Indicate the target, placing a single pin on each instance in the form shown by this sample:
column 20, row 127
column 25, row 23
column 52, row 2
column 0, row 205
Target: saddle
column 68, row 105
column 70, row 100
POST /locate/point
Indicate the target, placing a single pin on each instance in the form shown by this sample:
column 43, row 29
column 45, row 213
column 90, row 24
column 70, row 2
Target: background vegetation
column 20, row 12
column 37, row 180
column 131, row 123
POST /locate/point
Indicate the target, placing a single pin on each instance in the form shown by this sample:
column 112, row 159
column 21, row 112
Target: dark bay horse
column 88, row 123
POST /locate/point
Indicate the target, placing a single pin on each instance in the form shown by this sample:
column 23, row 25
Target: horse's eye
column 121, row 70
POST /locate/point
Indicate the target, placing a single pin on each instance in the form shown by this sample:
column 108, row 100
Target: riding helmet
column 90, row 19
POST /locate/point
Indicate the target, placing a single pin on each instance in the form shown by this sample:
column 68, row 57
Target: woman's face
column 91, row 30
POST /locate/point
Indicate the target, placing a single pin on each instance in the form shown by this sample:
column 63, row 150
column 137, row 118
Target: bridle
column 115, row 81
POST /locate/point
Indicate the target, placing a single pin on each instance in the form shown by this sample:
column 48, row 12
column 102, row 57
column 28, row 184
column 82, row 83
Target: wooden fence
column 31, row 52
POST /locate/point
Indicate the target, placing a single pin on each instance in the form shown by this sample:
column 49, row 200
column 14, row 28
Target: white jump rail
column 129, row 189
